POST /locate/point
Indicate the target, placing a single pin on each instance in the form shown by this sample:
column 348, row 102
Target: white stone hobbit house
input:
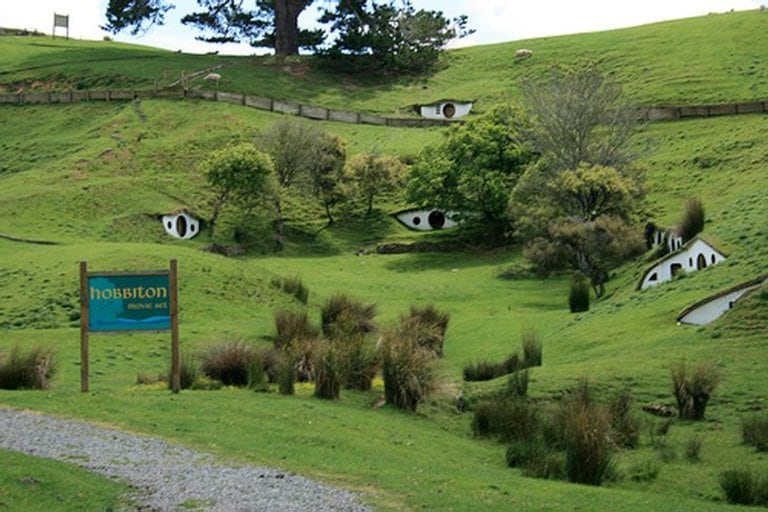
column 181, row 224
column 697, row 254
column 444, row 109
column 714, row 306
column 427, row 219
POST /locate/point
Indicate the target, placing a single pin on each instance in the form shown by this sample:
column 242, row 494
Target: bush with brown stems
column 431, row 324
column 32, row 369
column 293, row 326
column 693, row 391
column 407, row 369
column 229, row 362
column 625, row 425
column 344, row 316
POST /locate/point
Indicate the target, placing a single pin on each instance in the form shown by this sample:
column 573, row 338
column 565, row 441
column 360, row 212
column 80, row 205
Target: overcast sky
column 495, row 21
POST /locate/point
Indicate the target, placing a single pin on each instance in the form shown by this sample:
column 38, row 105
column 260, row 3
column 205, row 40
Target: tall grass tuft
column 486, row 370
column 692, row 221
column 187, row 372
column 625, row 425
column 531, row 348
column 291, row 326
column 578, row 297
column 586, row 433
column 510, row 419
column 432, row 325
column 517, row 384
column 27, row 370
column 692, row 392
column 359, row 362
column 743, row 487
column 328, row 372
column 407, row 369
column 342, row 316
column 292, row 286
column 754, row 432
column 229, row 362
column 285, row 373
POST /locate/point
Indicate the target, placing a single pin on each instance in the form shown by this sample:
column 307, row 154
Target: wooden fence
column 652, row 113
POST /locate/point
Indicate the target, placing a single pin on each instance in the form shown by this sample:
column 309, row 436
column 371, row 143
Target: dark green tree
column 240, row 176
column 326, row 175
column 389, row 35
column 371, row 175
column 474, row 170
column 270, row 23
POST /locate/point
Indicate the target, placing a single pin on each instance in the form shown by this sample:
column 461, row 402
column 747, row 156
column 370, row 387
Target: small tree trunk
column 279, row 226
column 328, row 212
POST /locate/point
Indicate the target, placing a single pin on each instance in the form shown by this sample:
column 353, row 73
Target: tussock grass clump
column 692, row 221
column 510, row 419
column 578, row 297
column 188, row 372
column 292, row 286
column 431, row 324
column 692, row 392
column 693, row 449
column 229, row 362
column 625, row 425
column 517, row 384
column 486, row 370
column 144, row 379
column 743, row 487
column 33, row 369
column 586, row 434
column 531, row 348
column 342, row 316
column 359, row 362
column 293, row 326
column 407, row 369
column 754, row 431
column 328, row 373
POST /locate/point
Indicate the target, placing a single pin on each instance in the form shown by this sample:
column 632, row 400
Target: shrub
column 646, row 471
column 692, row 221
column 744, row 488
column 521, row 454
column 257, row 375
column 426, row 335
column 625, row 425
column 586, row 432
column 293, row 326
column 327, row 372
column 578, row 298
column 359, row 363
column 229, row 362
column 342, row 316
column 187, row 372
column 548, row 465
column 284, row 373
column 692, row 392
column 484, row 370
column 144, row 379
column 517, row 384
column 754, row 431
column 407, row 370
column 432, row 324
column 531, row 349
column 511, row 419
column 31, row 370
column 693, row 449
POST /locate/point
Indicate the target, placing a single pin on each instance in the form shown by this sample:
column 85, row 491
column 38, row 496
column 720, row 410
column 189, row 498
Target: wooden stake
column 84, row 314
column 174, row 306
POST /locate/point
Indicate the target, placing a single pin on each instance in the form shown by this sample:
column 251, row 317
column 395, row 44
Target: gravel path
column 167, row 476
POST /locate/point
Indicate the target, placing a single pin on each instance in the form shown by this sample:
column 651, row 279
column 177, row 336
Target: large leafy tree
column 474, row 170
column 389, row 35
column 575, row 207
column 270, row 23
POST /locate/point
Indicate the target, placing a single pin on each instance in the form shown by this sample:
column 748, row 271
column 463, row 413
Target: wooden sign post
column 129, row 302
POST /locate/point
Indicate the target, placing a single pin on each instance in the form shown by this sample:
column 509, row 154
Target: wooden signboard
column 129, row 302
column 60, row 20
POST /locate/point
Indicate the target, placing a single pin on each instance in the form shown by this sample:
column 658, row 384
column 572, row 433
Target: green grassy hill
column 94, row 177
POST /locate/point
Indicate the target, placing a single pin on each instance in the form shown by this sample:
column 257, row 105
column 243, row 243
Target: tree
column 372, row 175
column 326, row 176
column 388, row 36
column 138, row 15
column 474, row 170
column 239, row 175
column 272, row 23
column 580, row 115
column 575, row 205
column 293, row 145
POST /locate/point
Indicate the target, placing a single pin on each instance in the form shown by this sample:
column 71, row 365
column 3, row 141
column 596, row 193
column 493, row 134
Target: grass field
column 94, row 177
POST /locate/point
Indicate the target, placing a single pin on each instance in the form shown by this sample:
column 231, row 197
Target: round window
column 449, row 110
column 436, row 219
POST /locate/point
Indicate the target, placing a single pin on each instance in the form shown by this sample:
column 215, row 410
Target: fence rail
column 652, row 113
